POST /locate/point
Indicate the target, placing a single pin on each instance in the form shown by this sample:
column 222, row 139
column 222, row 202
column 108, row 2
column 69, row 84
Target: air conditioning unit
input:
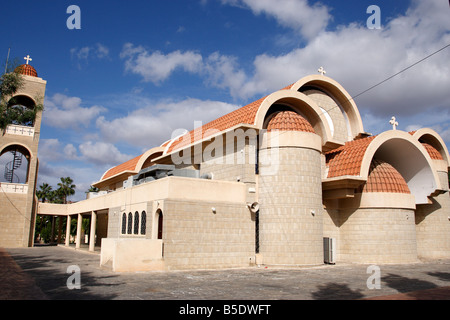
column 329, row 250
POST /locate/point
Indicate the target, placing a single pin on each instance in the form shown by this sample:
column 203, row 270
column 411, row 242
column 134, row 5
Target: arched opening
column 136, row 223
column 339, row 96
column 432, row 138
column 159, row 216
column 21, row 111
column 334, row 113
column 14, row 164
column 124, row 223
column 130, row 223
column 409, row 158
column 143, row 223
column 301, row 104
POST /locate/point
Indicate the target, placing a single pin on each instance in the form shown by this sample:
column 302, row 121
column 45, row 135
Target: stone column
column 59, row 229
column 92, row 232
column 52, row 239
column 80, row 219
column 67, row 231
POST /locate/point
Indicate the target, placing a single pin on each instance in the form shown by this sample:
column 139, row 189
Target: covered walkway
column 98, row 222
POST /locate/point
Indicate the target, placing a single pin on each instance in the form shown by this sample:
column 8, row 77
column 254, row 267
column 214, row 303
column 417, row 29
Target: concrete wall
column 131, row 255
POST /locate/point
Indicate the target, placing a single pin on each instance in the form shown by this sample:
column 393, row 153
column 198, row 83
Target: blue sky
column 138, row 70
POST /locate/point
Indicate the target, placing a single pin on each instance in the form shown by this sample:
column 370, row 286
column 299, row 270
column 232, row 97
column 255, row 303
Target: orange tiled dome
column 27, row 70
column 289, row 121
column 383, row 177
column 432, row 151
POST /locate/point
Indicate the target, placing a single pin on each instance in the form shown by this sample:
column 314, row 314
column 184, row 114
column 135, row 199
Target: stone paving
column 41, row 273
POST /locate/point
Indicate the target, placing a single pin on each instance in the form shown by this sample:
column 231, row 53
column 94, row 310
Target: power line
column 405, row 69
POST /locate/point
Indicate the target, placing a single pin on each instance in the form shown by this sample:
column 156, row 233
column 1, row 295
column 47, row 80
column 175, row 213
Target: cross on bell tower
column 28, row 58
column 394, row 123
column 322, row 71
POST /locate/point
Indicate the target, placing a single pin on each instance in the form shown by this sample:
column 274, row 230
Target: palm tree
column 44, row 192
column 66, row 188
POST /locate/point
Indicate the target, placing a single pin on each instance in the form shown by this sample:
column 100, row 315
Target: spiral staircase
column 13, row 165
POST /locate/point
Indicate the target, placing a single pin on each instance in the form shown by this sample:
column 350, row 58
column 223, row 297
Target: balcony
column 20, row 130
column 14, row 188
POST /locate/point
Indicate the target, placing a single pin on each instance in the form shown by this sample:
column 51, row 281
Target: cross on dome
column 394, row 123
column 28, row 58
column 322, row 71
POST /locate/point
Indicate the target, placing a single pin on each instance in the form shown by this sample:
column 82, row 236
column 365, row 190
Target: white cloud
column 156, row 67
column 102, row 153
column 223, row 72
column 102, row 51
column 299, row 15
column 62, row 111
column 70, row 152
column 98, row 51
column 49, row 150
column 154, row 123
column 354, row 55
column 359, row 58
column 53, row 150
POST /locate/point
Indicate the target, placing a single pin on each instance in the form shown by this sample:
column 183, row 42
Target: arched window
column 136, row 223
column 14, row 164
column 21, row 111
column 143, row 222
column 160, row 224
column 130, row 223
column 124, row 223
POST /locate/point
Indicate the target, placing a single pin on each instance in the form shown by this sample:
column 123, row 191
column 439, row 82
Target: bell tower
column 19, row 142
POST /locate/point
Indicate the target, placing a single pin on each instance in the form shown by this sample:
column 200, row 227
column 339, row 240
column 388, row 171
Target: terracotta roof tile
column 289, row 121
column 130, row 165
column 244, row 115
column 383, row 177
column 434, row 154
column 288, row 87
column 27, row 70
column 347, row 160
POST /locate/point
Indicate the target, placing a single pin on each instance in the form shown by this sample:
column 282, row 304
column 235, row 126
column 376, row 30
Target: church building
column 291, row 179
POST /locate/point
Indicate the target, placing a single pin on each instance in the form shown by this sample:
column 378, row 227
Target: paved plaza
column 42, row 273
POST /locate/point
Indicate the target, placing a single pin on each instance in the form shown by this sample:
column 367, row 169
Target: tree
column 66, row 188
column 45, row 192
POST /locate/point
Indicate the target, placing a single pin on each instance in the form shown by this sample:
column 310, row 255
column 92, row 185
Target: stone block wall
column 16, row 220
column 377, row 235
column 195, row 237
column 433, row 225
column 291, row 222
